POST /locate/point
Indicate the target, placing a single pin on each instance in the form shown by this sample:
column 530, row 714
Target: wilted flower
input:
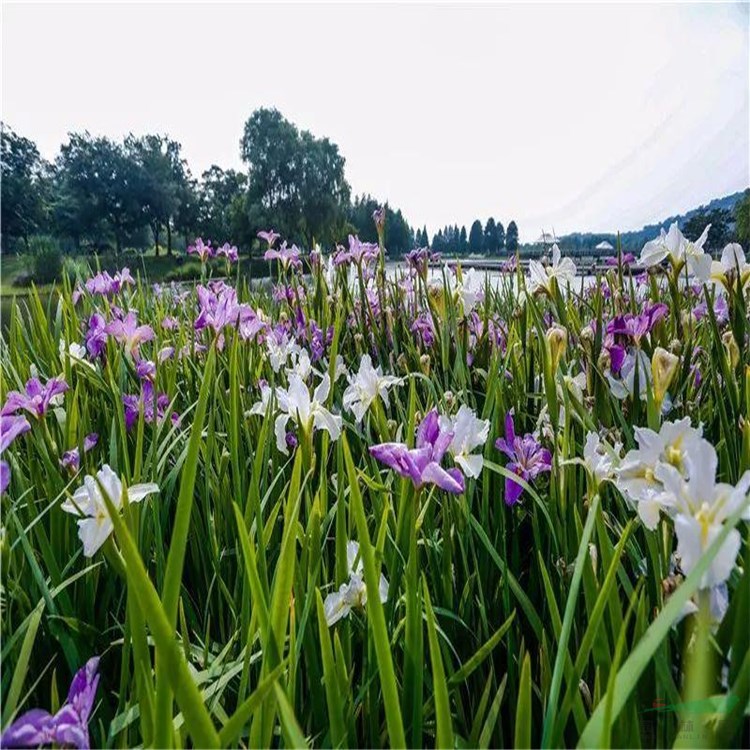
column 94, row 523
column 528, row 459
column 69, row 727
column 366, row 386
column 353, row 593
column 422, row 463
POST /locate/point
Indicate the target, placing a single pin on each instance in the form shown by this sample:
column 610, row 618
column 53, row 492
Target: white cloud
column 569, row 116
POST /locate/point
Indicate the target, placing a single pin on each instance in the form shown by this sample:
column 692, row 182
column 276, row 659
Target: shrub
column 48, row 260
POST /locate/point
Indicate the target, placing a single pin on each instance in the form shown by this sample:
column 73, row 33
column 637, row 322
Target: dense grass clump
column 359, row 508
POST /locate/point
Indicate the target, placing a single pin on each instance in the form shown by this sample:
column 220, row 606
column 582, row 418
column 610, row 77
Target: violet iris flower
column 72, row 459
column 721, row 310
column 37, row 398
column 287, row 256
column 359, row 252
column 527, row 457
column 202, row 249
column 422, row 463
column 134, row 402
column 128, row 332
column 270, row 237
column 627, row 259
column 69, row 727
column 420, row 258
column 637, row 326
column 230, row 252
column 11, row 427
column 96, row 336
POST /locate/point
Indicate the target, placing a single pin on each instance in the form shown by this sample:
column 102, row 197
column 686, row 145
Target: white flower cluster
column 673, row 472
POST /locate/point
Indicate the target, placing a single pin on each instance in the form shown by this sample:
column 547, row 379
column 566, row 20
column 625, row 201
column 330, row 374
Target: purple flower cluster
column 528, row 459
column 154, row 406
column 69, row 727
column 637, row 326
column 107, row 286
column 219, row 308
column 421, row 464
column 358, row 253
column 287, row 256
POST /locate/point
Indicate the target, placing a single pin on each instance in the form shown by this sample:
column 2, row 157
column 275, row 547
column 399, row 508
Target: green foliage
column 476, row 237
column 511, row 238
column 48, row 260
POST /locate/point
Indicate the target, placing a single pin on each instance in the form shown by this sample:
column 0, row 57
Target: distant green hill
column 634, row 241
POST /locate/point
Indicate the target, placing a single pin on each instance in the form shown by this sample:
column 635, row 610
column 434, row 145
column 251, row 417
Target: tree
column 23, row 200
column 511, row 238
column 742, row 218
column 296, row 181
column 221, row 198
column 99, row 184
column 476, row 237
column 463, row 242
column 398, row 237
column 490, row 237
column 718, row 234
column 500, row 237
column 159, row 178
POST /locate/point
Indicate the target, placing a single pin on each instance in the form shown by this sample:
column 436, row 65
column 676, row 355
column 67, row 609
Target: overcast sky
column 563, row 117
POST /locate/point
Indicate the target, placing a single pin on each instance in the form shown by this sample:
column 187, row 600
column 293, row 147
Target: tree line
column 100, row 194
column 492, row 239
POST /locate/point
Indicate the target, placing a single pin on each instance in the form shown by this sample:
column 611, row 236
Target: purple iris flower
column 72, row 459
column 96, row 336
column 422, row 463
column 145, row 369
column 527, row 457
column 359, row 252
column 424, row 326
column 637, row 326
column 133, row 404
column 36, row 400
column 230, row 252
column 270, row 237
column 287, row 256
column 420, row 258
column 721, row 310
column 202, row 249
column 129, row 333
column 4, row 482
column 11, row 427
column 69, row 727
column 627, row 259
